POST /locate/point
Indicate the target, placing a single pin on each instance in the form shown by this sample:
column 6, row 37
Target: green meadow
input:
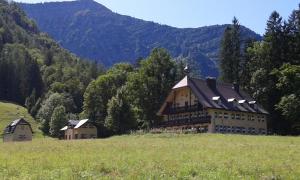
column 163, row 156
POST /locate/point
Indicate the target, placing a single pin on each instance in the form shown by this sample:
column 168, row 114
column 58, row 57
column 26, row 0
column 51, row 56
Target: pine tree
column 231, row 53
column 274, row 38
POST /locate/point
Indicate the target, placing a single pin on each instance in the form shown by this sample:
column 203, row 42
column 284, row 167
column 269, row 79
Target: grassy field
column 10, row 112
column 165, row 156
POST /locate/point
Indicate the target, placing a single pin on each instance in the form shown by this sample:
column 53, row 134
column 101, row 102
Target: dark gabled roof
column 224, row 92
column 73, row 122
column 12, row 126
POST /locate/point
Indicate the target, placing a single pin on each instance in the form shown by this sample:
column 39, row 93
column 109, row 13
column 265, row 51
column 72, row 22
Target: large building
column 79, row 129
column 18, row 130
column 210, row 106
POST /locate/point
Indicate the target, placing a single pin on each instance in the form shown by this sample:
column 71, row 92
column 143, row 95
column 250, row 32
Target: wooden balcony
column 183, row 109
column 186, row 121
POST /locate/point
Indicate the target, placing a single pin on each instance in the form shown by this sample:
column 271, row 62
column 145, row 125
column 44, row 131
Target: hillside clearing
column 10, row 112
column 165, row 156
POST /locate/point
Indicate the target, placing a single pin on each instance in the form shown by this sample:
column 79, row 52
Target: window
column 216, row 114
column 238, row 116
column 233, row 129
column 221, row 128
column 225, row 115
column 243, row 117
column 232, row 116
column 243, row 130
column 76, row 136
column 220, row 115
column 251, row 130
column 186, row 104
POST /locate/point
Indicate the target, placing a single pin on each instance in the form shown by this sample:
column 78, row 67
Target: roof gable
column 182, row 83
column 12, row 126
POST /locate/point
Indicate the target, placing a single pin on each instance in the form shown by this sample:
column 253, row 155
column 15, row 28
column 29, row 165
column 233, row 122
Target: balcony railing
column 186, row 121
column 176, row 110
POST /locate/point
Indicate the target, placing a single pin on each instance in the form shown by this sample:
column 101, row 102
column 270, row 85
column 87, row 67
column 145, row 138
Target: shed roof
column 12, row 126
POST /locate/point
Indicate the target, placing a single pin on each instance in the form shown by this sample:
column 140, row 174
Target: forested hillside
column 92, row 31
column 269, row 70
column 33, row 67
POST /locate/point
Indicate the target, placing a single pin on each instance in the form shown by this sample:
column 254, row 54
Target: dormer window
column 253, row 104
column 242, row 101
column 217, row 99
column 232, row 101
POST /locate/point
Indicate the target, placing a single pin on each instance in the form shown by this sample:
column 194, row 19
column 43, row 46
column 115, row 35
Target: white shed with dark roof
column 18, row 130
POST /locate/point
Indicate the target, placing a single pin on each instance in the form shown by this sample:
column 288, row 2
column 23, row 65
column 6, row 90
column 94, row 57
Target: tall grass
column 164, row 156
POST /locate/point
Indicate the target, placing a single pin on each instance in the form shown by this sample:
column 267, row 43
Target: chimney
column 236, row 87
column 211, row 83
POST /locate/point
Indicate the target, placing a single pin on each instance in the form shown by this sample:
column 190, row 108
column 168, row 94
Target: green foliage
column 272, row 72
column 150, row 85
column 20, row 74
column 58, row 120
column 120, row 117
column 45, row 112
column 33, row 66
column 101, row 90
column 230, row 57
column 290, row 108
column 289, row 84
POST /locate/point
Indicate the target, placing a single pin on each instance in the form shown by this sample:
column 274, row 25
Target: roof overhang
column 64, row 128
column 81, row 122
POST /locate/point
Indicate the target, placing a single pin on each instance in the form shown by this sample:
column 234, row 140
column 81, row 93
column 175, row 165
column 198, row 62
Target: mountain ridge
column 93, row 31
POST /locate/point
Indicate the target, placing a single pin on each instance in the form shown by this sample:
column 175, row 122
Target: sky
column 196, row 13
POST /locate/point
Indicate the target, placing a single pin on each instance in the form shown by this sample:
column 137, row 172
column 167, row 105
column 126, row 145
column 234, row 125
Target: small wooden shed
column 18, row 130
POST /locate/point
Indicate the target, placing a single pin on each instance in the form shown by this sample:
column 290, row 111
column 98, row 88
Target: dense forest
column 269, row 70
column 92, row 31
column 34, row 69
column 55, row 85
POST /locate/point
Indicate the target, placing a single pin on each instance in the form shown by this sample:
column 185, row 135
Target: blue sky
column 197, row 13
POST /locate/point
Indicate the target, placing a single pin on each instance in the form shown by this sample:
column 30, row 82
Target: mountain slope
column 33, row 66
column 92, row 31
